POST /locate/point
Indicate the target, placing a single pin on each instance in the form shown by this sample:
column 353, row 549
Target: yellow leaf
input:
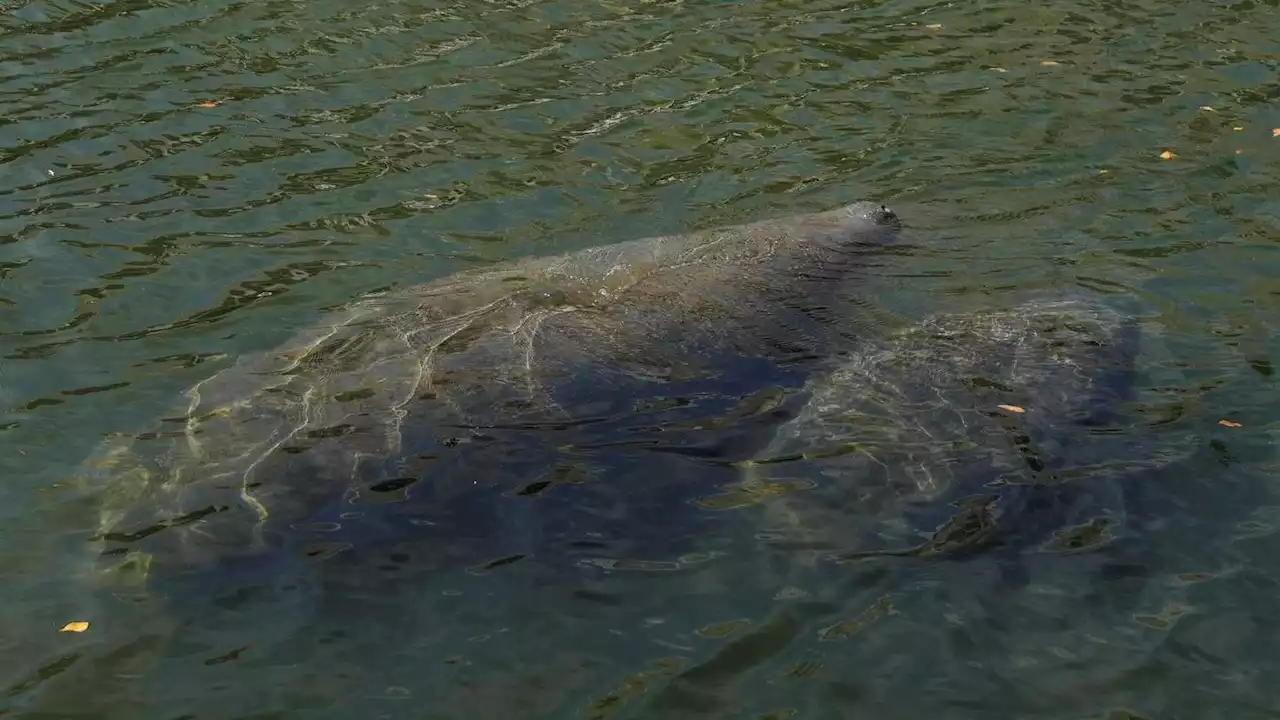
column 1012, row 408
column 1167, row 155
column 935, row 26
column 1049, row 63
column 1275, row 132
column 77, row 626
column 1228, row 423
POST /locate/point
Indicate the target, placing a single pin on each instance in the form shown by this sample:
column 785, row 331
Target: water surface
column 183, row 183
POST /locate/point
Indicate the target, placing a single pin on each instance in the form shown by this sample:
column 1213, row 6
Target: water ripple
column 184, row 182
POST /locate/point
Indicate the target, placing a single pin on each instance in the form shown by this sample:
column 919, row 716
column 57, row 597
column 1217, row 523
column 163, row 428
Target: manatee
column 901, row 465
column 962, row 433
column 461, row 390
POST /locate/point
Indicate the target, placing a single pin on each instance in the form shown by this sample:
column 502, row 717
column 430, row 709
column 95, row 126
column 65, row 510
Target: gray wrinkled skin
column 915, row 421
column 347, row 404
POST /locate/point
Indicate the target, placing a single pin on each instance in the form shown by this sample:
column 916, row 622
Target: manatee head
column 832, row 241
column 817, row 256
column 870, row 213
column 857, row 223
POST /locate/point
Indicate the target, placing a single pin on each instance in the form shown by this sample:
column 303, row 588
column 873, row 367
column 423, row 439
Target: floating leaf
column 1207, row 108
column 1275, row 132
column 1050, row 63
column 1229, row 423
column 1167, row 155
column 934, row 26
column 1238, row 128
column 77, row 626
column 1012, row 408
column 208, row 104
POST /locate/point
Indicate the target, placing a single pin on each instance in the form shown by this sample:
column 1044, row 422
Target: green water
column 147, row 241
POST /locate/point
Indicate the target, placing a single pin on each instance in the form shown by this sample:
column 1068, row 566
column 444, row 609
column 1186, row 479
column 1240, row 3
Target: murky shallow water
column 185, row 183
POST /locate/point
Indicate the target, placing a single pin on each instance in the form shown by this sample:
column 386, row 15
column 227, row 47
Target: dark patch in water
column 1262, row 367
column 137, row 535
column 1090, row 535
column 392, row 485
column 492, row 564
column 228, row 657
column 534, row 488
column 331, row 432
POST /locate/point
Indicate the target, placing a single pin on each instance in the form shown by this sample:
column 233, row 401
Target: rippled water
column 182, row 183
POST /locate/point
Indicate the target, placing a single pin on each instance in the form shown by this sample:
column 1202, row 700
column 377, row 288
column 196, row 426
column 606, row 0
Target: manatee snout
column 857, row 225
column 866, row 222
column 872, row 214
